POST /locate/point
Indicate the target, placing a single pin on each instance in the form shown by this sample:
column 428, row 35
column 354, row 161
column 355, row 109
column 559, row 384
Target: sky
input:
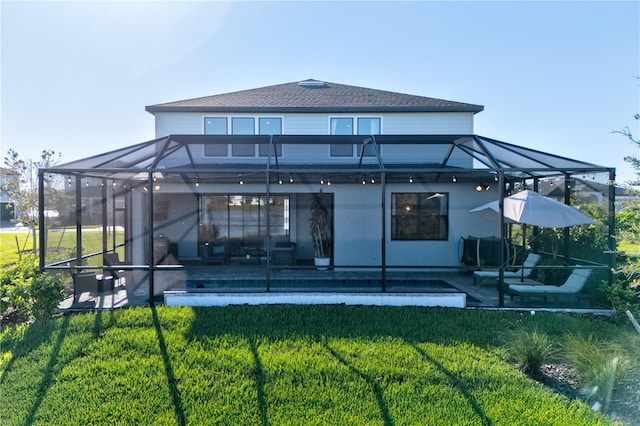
column 559, row 77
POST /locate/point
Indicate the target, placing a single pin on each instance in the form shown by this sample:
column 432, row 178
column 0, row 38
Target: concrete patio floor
column 234, row 279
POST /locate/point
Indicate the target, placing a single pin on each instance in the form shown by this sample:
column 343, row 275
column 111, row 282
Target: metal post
column 104, row 219
column 612, row 224
column 79, row 260
column 501, row 194
column 150, row 239
column 567, row 201
column 384, row 233
column 268, row 194
column 536, row 229
column 41, row 220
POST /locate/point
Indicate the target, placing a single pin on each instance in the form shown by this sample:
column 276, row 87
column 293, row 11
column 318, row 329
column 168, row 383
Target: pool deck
column 307, row 285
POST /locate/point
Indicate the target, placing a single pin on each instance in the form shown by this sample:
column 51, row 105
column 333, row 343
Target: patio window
column 215, row 126
column 342, row 126
column 419, row 216
column 243, row 217
column 269, row 126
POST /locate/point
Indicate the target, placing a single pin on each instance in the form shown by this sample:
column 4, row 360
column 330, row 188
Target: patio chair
column 570, row 288
column 83, row 282
column 525, row 272
column 284, row 253
column 112, row 260
column 215, row 253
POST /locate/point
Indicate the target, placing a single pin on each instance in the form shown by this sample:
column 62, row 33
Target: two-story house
column 231, row 179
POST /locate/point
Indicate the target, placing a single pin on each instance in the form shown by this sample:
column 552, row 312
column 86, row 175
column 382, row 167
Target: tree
column 632, row 159
column 20, row 178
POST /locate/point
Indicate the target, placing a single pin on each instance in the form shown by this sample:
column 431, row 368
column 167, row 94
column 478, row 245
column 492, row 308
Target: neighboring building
column 8, row 211
column 590, row 191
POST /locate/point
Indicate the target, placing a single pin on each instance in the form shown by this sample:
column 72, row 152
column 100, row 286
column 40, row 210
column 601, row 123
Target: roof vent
column 312, row 83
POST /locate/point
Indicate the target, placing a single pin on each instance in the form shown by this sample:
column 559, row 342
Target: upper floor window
column 269, row 126
column 368, row 126
column 345, row 126
column 215, row 126
column 342, row 126
column 419, row 216
column 241, row 126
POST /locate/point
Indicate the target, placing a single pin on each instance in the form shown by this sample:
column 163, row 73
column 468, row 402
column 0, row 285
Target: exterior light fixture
column 454, row 179
column 321, row 181
column 372, row 179
column 479, row 187
column 241, row 181
column 279, row 181
column 410, row 179
column 363, row 181
column 482, row 187
column 197, row 183
column 328, row 182
column 157, row 187
column 290, row 178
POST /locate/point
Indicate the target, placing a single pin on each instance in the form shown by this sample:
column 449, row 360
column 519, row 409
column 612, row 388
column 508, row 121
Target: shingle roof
column 314, row 96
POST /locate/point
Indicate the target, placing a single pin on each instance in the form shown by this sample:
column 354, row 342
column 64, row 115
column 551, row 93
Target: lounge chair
column 571, row 287
column 480, row 277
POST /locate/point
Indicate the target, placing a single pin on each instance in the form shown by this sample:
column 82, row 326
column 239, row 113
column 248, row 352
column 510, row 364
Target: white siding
column 318, row 124
column 357, row 221
column 177, row 123
column 440, row 123
column 462, row 198
column 311, row 124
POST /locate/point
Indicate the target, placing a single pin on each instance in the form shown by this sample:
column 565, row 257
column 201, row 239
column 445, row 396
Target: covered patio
column 157, row 205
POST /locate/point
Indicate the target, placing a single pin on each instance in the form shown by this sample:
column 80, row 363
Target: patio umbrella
column 531, row 208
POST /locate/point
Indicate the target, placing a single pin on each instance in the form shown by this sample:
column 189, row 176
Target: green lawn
column 282, row 365
column 61, row 245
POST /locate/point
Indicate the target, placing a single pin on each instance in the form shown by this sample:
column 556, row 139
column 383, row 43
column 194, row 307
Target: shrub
column 555, row 271
column 14, row 283
column 624, row 293
column 46, row 291
column 531, row 349
column 30, row 292
column 601, row 365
